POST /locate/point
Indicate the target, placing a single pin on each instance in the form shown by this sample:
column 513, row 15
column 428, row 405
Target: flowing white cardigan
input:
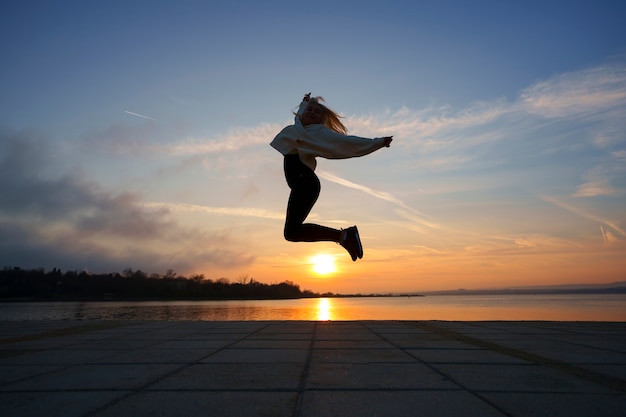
column 316, row 140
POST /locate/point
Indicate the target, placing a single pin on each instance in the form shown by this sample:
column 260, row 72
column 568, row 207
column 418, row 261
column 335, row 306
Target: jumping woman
column 317, row 131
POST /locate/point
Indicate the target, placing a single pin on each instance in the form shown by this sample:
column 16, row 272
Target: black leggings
column 305, row 188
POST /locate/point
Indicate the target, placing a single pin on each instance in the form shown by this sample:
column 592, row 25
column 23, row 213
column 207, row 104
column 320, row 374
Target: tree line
column 38, row 284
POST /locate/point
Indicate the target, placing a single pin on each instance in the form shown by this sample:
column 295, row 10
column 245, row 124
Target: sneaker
column 351, row 241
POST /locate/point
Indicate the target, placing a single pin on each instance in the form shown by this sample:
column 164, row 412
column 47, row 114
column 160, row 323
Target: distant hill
column 607, row 288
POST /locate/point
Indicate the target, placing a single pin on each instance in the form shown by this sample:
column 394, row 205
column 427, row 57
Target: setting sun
column 323, row 264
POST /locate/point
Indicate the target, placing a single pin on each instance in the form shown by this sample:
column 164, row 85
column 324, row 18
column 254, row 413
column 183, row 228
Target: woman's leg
column 305, row 189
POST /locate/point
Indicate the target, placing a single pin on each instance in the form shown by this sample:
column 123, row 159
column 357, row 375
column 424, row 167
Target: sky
column 136, row 135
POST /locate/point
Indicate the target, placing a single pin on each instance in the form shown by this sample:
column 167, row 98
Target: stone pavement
column 306, row 369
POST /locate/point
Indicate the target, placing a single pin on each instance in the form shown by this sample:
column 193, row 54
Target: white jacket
column 317, row 140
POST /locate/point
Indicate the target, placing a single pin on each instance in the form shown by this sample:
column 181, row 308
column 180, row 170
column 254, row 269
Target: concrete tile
column 516, row 378
column 241, row 327
column 279, row 336
column 157, row 356
column 352, row 344
column 463, row 356
column 395, row 327
column 596, row 342
column 395, row 403
column 339, row 326
column 41, row 344
column 95, row 377
column 258, row 356
column 13, row 373
column 360, row 356
column 58, row 357
column 224, row 338
column 271, row 344
column 579, row 354
column 117, row 343
column 375, row 377
column 559, row 404
column 290, row 327
column 55, row 403
column 356, row 335
column 236, row 376
column 431, row 344
column 614, row 370
column 201, row 403
column 191, row 344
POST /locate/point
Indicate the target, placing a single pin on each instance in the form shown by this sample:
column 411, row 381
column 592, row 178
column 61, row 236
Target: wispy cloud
column 578, row 93
column 233, row 141
column 225, row 211
column 597, row 184
column 427, row 124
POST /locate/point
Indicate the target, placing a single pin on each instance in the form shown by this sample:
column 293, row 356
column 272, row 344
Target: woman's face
column 313, row 114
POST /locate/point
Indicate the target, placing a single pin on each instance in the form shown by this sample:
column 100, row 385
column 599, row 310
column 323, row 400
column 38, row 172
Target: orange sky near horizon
column 412, row 270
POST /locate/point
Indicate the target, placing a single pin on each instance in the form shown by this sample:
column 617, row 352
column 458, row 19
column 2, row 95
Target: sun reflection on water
column 324, row 310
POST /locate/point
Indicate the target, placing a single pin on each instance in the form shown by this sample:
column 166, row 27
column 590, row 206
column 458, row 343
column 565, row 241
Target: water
column 569, row 307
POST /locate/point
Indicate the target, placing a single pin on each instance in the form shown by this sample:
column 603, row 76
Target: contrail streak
column 406, row 211
column 603, row 234
column 613, row 225
column 139, row 115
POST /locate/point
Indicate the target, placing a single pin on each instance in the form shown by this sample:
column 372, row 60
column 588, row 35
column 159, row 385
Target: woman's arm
column 321, row 141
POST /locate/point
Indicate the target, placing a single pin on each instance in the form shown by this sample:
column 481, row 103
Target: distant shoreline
column 612, row 290
column 512, row 292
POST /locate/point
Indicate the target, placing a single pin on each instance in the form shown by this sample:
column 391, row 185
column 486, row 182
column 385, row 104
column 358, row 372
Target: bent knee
column 290, row 236
column 293, row 233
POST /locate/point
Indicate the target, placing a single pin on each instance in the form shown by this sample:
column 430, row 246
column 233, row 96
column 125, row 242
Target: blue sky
column 135, row 134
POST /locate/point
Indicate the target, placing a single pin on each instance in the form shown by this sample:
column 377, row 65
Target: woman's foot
column 351, row 241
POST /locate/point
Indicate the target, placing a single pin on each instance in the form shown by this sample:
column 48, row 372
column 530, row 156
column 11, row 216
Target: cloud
column 517, row 245
column 225, row 211
column 233, row 141
column 68, row 197
column 556, row 115
column 65, row 221
column 428, row 126
column 126, row 139
column 597, row 184
column 585, row 92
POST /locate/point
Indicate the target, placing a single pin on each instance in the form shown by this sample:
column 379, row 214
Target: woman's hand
column 307, row 97
column 387, row 141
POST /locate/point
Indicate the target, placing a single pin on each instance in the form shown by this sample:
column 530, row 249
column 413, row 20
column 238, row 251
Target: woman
column 317, row 131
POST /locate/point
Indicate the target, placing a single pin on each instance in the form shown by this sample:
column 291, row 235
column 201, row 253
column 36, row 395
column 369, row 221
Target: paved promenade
column 312, row 369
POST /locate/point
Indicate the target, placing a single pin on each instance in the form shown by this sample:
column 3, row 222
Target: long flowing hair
column 331, row 118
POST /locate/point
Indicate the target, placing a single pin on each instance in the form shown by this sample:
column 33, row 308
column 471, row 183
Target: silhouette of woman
column 317, row 131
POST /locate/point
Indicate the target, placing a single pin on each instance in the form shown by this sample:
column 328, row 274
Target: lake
column 559, row 307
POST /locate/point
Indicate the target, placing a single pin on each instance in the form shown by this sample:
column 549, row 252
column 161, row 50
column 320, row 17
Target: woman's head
column 317, row 113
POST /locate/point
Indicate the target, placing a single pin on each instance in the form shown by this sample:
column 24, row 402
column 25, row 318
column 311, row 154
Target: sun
column 323, row 264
